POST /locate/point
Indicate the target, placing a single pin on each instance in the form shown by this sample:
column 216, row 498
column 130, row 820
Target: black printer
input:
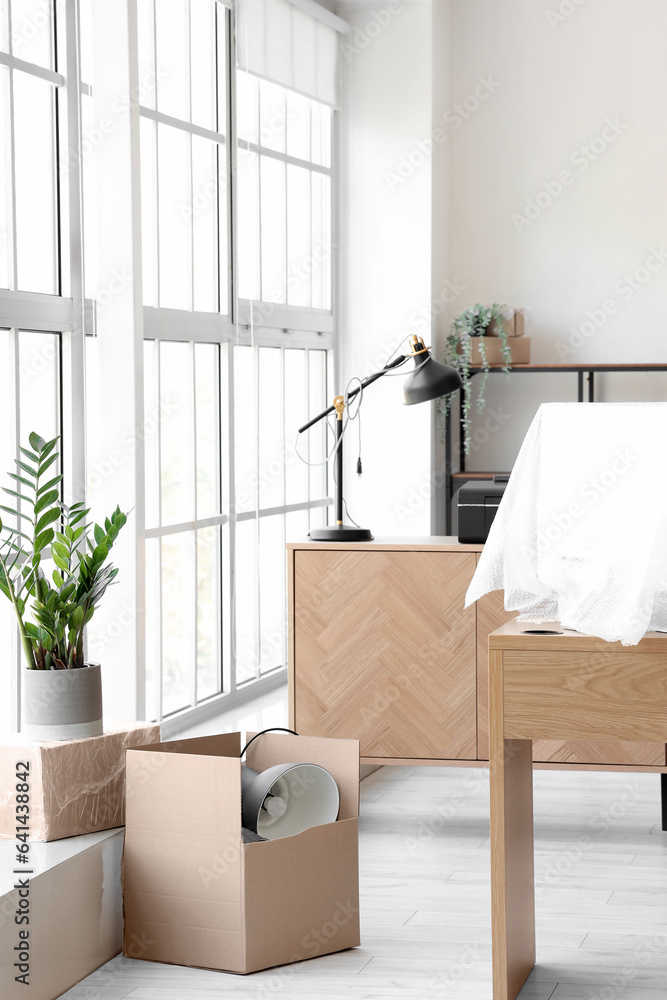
column 478, row 501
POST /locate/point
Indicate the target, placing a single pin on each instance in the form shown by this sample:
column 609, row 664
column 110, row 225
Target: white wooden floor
column 601, row 881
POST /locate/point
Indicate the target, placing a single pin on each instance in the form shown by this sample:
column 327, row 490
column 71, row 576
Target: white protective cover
column 580, row 536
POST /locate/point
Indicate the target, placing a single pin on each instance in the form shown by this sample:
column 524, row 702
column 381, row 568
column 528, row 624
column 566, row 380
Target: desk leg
column 512, row 851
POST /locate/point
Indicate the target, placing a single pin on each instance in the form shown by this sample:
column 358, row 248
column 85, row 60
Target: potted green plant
column 468, row 331
column 60, row 699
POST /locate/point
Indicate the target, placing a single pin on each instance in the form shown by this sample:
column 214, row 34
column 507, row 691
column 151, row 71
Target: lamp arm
column 367, row 381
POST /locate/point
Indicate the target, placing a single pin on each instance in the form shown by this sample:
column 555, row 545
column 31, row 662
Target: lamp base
column 341, row 533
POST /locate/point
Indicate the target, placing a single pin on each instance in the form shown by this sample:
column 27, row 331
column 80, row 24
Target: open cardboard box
column 194, row 894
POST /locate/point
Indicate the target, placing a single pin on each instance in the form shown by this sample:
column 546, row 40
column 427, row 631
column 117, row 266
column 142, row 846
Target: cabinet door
column 491, row 615
column 384, row 652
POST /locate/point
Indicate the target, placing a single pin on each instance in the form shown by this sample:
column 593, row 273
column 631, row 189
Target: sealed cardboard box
column 197, row 895
column 514, row 325
column 76, row 786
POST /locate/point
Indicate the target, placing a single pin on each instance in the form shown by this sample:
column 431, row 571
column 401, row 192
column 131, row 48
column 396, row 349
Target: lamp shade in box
column 287, row 799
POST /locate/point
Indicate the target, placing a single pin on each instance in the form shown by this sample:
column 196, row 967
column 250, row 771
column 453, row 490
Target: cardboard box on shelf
column 519, row 348
column 198, row 895
column 514, row 325
column 76, row 786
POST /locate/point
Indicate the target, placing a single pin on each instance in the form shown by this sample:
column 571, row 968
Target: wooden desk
column 566, row 686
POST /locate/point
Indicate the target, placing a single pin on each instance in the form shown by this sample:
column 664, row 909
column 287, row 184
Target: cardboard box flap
column 222, row 745
column 339, row 757
column 175, row 792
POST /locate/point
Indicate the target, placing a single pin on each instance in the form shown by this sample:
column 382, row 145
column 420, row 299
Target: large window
column 229, row 219
column 41, row 297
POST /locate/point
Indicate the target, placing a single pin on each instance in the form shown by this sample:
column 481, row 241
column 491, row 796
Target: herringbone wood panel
column 384, row 652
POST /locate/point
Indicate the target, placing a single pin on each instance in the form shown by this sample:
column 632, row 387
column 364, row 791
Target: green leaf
column 45, row 639
column 69, row 534
column 44, row 539
column 60, row 563
column 45, row 465
column 47, row 486
column 29, row 454
column 48, row 447
column 20, row 479
column 8, row 510
column 61, row 549
column 19, row 496
column 46, row 500
column 57, row 578
column 36, row 441
column 77, row 616
column 46, row 519
column 68, row 591
column 26, row 468
column 99, row 534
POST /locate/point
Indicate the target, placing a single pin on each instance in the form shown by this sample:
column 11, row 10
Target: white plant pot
column 62, row 704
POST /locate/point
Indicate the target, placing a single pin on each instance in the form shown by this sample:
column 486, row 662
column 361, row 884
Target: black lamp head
column 431, row 379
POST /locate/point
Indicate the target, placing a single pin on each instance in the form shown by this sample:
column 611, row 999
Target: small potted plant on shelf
column 61, row 693
column 467, row 346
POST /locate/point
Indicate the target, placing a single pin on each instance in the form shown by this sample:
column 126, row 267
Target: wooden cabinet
column 382, row 650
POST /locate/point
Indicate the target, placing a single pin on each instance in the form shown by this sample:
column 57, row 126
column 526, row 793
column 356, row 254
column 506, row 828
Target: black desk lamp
column 429, row 380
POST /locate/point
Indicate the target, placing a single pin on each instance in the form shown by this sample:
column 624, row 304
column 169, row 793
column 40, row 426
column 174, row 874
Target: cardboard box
column 519, row 347
column 198, row 896
column 514, row 326
column 76, row 786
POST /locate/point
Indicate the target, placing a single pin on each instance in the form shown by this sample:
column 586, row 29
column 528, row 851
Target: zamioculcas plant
column 63, row 605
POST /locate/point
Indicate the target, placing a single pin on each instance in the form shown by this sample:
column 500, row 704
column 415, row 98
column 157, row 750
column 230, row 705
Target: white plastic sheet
column 580, row 536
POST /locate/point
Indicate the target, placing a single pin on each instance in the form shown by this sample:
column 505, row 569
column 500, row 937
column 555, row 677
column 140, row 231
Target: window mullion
column 192, row 407
column 12, row 264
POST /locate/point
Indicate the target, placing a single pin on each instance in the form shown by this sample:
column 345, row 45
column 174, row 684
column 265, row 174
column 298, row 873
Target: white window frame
column 65, row 315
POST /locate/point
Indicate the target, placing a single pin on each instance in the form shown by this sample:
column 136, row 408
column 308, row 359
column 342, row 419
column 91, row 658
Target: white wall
column 386, row 227
column 557, row 83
